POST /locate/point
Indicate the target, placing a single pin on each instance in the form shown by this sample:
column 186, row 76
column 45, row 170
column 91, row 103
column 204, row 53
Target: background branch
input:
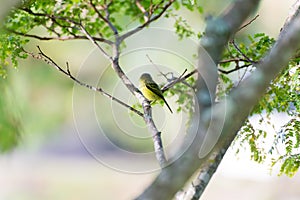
column 247, row 94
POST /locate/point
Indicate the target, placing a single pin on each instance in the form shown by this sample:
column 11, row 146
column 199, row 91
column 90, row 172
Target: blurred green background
column 64, row 150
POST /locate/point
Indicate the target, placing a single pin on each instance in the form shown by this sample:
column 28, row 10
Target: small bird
column 151, row 90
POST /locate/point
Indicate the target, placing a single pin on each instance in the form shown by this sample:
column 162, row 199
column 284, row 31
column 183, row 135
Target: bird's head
column 145, row 77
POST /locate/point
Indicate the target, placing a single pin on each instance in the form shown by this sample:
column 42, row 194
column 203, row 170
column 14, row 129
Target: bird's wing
column 153, row 87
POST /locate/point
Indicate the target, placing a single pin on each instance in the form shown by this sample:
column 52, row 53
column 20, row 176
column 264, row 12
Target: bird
column 151, row 90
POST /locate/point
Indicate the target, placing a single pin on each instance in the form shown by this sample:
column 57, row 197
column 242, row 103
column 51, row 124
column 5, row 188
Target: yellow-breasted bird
column 151, row 90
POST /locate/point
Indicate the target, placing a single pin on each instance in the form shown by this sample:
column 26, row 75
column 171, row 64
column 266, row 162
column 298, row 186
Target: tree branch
column 248, row 23
column 180, row 79
column 94, row 42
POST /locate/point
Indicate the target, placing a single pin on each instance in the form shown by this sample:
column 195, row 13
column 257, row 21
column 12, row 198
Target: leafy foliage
column 253, row 138
column 241, row 58
column 289, row 155
column 65, row 19
column 184, row 93
column 283, row 95
column 182, row 28
column 10, row 51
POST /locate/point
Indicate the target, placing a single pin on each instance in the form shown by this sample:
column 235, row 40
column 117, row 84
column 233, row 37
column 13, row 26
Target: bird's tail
column 168, row 106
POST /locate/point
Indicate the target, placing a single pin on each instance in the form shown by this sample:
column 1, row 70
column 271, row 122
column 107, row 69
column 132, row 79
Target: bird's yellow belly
column 149, row 94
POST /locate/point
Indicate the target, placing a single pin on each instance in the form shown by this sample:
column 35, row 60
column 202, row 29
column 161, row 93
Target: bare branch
column 94, row 42
column 164, row 75
column 233, row 60
column 50, row 61
column 156, row 135
column 174, row 81
column 234, row 69
column 248, row 23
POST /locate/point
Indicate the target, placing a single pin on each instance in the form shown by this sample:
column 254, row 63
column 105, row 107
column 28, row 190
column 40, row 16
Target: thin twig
column 233, row 60
column 94, row 42
column 243, row 75
column 181, row 78
column 164, row 75
column 174, row 80
column 240, row 51
column 248, row 23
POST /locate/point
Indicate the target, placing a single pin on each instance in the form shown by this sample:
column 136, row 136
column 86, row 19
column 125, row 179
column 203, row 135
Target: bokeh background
column 76, row 144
